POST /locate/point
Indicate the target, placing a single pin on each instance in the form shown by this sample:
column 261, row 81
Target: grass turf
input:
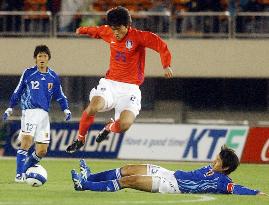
column 59, row 187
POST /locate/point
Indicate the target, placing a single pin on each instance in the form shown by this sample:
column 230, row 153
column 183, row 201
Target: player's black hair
column 118, row 16
column 229, row 159
column 42, row 49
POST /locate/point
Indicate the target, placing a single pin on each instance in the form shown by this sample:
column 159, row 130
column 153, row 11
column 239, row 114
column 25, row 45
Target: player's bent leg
column 41, row 149
column 96, row 104
column 80, row 184
column 103, row 134
column 26, row 142
column 138, row 182
column 127, row 118
column 130, row 169
column 36, row 156
column 22, row 153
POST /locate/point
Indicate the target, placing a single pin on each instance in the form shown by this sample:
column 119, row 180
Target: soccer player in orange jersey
column 120, row 87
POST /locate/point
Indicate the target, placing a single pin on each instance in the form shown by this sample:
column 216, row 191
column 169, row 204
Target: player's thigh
column 96, row 104
column 134, row 169
column 127, row 118
column 103, row 90
column 165, row 185
column 139, row 182
column 42, row 134
column 28, row 123
column 129, row 101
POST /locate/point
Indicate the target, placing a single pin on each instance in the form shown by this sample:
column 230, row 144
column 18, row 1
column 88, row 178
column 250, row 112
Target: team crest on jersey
column 230, row 187
column 129, row 44
column 50, row 85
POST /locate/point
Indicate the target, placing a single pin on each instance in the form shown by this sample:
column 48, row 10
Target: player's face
column 119, row 31
column 42, row 60
column 217, row 164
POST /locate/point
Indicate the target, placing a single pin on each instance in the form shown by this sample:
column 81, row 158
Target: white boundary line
column 115, row 160
column 199, row 198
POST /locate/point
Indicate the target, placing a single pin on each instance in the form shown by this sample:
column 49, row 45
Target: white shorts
column 35, row 122
column 163, row 180
column 118, row 95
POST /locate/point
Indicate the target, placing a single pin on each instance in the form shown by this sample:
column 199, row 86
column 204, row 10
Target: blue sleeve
column 18, row 91
column 241, row 190
column 59, row 95
column 228, row 187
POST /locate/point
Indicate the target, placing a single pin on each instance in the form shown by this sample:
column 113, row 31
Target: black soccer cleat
column 75, row 146
column 103, row 135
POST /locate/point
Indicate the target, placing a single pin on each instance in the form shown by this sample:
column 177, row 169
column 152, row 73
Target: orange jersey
column 127, row 57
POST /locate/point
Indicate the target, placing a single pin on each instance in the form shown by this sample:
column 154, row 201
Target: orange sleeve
column 96, row 31
column 152, row 41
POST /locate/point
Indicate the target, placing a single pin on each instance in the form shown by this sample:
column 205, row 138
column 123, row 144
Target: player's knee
column 97, row 103
column 127, row 170
column 125, row 125
column 41, row 152
column 92, row 110
column 26, row 142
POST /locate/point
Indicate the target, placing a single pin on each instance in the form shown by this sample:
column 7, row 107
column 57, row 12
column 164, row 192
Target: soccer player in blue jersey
column 36, row 87
column 151, row 178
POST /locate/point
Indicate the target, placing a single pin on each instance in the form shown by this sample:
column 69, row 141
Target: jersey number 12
column 35, row 84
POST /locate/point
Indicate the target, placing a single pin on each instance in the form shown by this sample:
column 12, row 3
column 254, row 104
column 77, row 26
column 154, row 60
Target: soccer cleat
column 77, row 180
column 20, row 178
column 76, row 145
column 84, row 169
column 103, row 134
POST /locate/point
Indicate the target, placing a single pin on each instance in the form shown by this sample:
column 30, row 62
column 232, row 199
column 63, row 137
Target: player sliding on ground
column 151, row 178
column 119, row 89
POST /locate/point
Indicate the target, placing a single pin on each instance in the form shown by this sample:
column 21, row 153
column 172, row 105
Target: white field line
column 113, row 160
column 199, row 198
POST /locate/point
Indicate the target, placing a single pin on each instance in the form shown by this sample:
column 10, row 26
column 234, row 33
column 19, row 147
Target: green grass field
column 59, row 187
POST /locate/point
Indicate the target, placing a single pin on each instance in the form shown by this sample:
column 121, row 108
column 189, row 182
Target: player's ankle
column 81, row 138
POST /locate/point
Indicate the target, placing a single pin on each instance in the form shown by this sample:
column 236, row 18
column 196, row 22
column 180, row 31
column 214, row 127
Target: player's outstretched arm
column 242, row 190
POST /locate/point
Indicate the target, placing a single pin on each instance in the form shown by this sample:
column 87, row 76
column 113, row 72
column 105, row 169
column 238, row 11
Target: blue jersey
column 36, row 89
column 205, row 180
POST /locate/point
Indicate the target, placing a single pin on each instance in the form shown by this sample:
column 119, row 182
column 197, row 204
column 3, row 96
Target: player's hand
column 262, row 193
column 77, row 31
column 7, row 113
column 168, row 73
column 68, row 115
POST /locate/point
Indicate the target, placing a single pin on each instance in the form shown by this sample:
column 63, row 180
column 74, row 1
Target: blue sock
column 20, row 160
column 31, row 160
column 105, row 176
column 31, row 149
column 109, row 186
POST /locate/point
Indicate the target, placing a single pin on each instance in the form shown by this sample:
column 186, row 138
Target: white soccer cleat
column 20, row 178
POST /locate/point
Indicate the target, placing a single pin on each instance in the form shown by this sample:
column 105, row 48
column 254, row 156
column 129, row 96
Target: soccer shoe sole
column 84, row 169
